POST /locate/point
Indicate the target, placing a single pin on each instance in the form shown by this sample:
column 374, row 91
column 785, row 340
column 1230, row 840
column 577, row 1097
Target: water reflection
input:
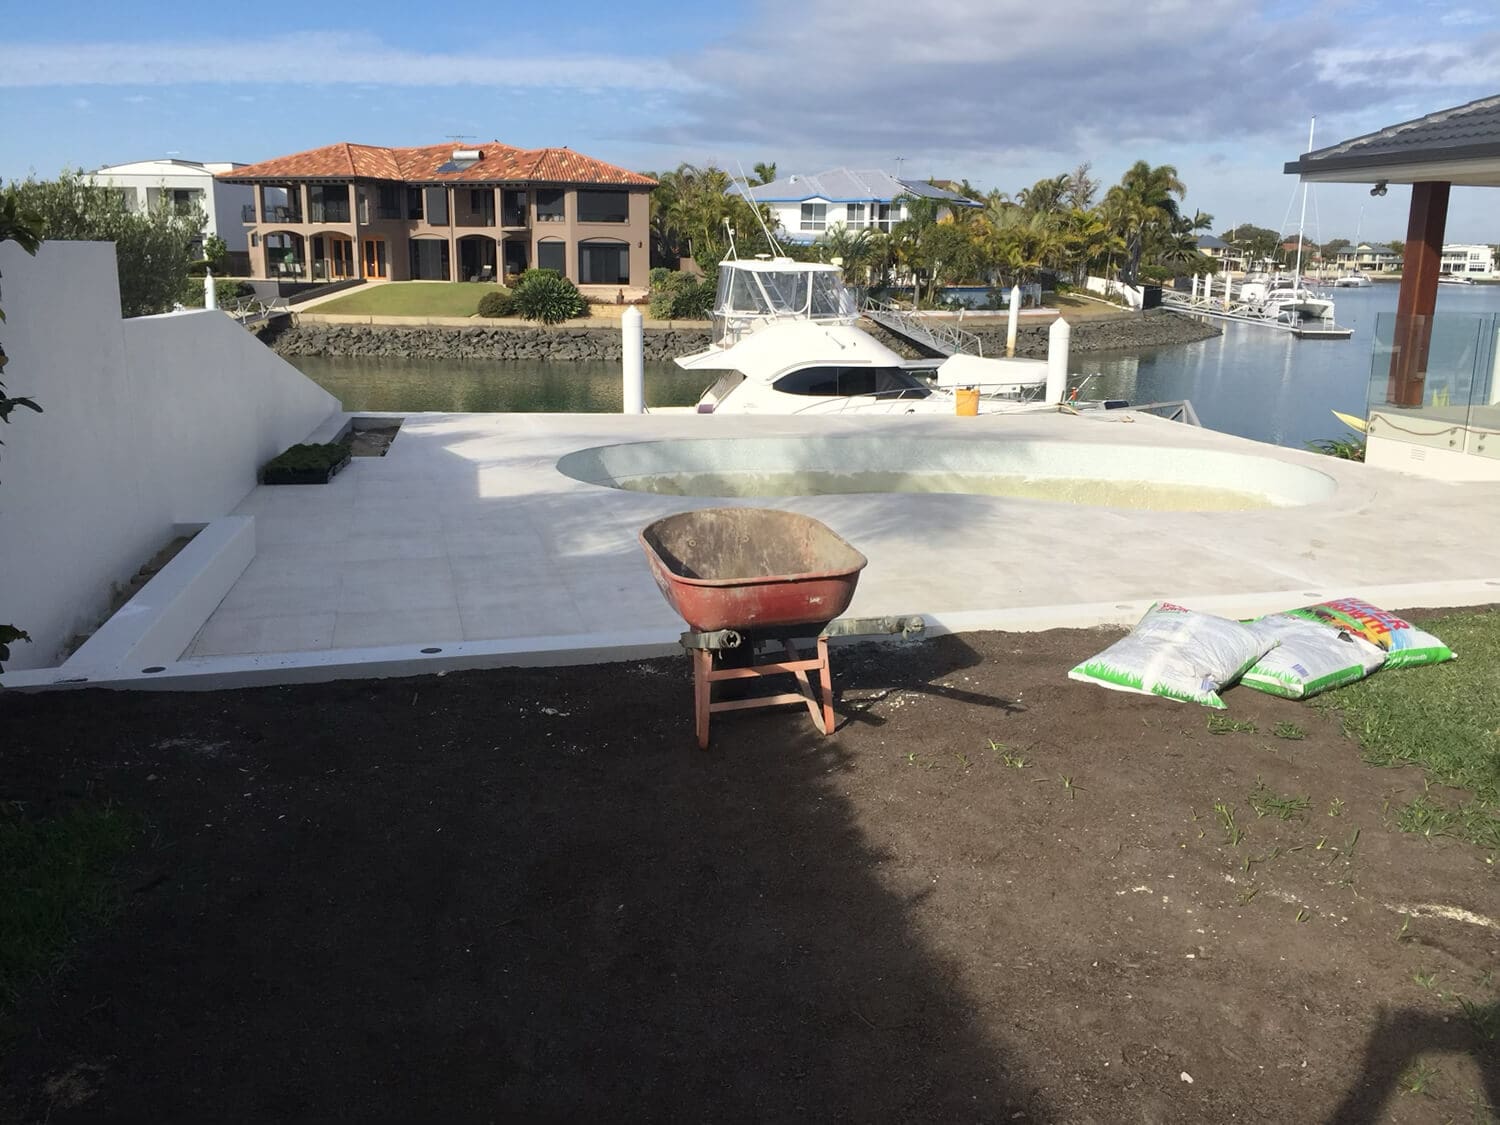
column 484, row 386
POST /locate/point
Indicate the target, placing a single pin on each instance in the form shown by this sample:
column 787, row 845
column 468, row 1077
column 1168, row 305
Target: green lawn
column 411, row 298
column 1445, row 719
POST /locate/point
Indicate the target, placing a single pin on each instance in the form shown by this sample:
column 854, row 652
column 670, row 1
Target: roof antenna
column 776, row 248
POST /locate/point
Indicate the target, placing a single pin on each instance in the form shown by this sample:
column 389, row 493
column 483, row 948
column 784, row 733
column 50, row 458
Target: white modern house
column 807, row 206
column 1463, row 259
column 186, row 183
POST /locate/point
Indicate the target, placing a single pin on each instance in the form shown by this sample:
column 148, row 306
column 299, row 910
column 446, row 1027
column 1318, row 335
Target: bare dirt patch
column 992, row 895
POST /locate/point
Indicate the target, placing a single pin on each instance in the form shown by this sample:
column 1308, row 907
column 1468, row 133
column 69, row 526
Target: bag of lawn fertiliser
column 1403, row 642
column 1176, row 653
column 1309, row 657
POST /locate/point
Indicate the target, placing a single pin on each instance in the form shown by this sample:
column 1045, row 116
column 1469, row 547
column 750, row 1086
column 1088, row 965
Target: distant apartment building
column 185, row 184
column 1470, row 260
column 446, row 213
column 1368, row 258
column 807, row 206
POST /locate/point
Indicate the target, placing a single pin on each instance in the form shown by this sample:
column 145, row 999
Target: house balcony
column 514, row 220
column 283, row 214
column 475, row 219
column 329, row 212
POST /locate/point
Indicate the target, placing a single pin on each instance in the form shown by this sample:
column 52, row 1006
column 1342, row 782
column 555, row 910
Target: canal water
column 1251, row 381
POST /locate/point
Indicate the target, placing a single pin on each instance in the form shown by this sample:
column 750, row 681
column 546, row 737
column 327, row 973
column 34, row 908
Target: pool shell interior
column 1099, row 474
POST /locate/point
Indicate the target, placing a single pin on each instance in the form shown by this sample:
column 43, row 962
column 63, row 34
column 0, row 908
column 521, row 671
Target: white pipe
column 633, row 352
column 1013, row 321
column 1059, row 338
column 210, row 294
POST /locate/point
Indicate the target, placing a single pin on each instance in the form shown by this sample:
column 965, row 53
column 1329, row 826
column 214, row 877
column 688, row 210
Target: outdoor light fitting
column 1379, row 188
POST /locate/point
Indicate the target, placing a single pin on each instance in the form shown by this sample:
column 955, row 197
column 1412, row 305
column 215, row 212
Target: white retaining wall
column 1109, row 287
column 148, row 423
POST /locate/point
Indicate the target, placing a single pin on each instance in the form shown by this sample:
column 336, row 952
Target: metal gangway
column 944, row 339
column 252, row 311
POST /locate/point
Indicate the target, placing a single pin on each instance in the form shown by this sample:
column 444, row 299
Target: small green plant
column 497, row 303
column 1068, row 784
column 1425, row 979
column 1267, row 803
column 1290, row 731
column 1418, row 1079
column 1345, row 449
column 1404, row 934
column 1232, row 832
column 1483, row 1018
column 1247, row 896
column 1223, row 724
column 547, row 296
column 1336, row 807
column 1303, row 915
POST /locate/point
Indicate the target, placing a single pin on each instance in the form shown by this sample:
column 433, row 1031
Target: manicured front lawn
column 411, row 298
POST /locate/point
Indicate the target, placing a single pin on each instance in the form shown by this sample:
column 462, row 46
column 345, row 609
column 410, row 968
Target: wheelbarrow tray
column 751, row 569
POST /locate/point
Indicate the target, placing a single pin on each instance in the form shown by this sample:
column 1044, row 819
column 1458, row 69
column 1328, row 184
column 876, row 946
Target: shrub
column 680, row 295
column 226, row 293
column 303, row 457
column 500, row 302
column 546, row 296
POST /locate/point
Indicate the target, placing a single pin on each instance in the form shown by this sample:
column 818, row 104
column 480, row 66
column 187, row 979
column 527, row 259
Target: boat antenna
column 729, row 230
column 776, row 247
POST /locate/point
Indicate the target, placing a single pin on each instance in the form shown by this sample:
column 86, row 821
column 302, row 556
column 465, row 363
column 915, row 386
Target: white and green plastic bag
column 1309, row 657
column 1176, row 653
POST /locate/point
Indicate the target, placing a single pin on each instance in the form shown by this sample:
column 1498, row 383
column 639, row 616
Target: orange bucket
column 968, row 401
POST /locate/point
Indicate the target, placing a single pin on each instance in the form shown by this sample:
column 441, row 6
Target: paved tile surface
column 466, row 531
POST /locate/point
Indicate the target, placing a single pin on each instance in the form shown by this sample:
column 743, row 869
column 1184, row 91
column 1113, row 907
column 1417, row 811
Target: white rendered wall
column 147, row 423
column 221, row 202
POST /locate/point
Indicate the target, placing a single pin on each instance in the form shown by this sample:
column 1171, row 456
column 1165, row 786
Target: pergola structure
column 1452, row 146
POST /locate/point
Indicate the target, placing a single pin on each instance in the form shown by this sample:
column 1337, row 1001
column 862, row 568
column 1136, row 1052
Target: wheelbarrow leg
column 825, row 681
column 703, row 661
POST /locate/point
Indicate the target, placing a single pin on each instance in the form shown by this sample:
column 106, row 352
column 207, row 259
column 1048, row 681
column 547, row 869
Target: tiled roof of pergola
column 498, row 163
column 1464, row 140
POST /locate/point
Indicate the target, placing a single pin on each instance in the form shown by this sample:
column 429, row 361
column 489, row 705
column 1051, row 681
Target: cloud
column 1000, row 82
column 320, row 59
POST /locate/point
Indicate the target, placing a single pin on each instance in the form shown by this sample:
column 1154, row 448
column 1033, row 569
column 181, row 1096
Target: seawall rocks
column 1148, row 330
column 561, row 344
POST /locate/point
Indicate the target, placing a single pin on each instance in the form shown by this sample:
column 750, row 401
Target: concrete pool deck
column 466, row 538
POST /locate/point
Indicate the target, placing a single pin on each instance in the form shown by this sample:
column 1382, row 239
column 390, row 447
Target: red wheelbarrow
column 744, row 578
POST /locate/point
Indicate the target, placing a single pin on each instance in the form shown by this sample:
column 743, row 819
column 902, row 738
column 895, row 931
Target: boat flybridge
column 786, row 339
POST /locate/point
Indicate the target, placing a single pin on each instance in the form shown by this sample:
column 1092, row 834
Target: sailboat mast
column 1302, row 218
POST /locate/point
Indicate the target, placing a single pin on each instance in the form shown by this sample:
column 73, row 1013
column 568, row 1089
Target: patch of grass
column 1223, row 724
column 1483, row 1018
column 1443, row 719
column 1419, row 1078
column 1290, row 731
column 1232, row 832
column 412, row 298
column 1267, row 803
column 54, row 884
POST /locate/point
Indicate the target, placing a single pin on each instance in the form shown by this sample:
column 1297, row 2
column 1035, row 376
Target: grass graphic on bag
column 1309, row 657
column 1176, row 653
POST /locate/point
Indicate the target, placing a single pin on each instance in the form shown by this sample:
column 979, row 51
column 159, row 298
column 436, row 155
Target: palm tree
column 1142, row 206
column 765, row 172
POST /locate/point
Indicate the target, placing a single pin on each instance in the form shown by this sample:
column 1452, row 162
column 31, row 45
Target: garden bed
column 993, row 895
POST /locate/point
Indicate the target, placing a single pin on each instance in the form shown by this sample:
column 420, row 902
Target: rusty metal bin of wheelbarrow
column 751, row 569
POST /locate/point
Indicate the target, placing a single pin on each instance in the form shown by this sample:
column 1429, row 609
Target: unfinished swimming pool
column 1152, row 478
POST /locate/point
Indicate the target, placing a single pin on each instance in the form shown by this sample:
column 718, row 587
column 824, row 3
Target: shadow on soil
column 514, row 894
column 1401, row 1038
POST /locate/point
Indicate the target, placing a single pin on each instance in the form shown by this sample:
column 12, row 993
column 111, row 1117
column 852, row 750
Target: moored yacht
column 786, row 339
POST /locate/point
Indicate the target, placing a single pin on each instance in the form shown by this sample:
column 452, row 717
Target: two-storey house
column 144, row 185
column 807, row 206
column 446, row 213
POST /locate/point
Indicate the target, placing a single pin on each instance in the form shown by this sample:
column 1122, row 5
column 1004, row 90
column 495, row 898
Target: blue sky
column 1001, row 92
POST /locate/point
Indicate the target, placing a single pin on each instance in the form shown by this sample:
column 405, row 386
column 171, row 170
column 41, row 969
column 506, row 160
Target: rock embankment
column 1148, row 330
column 1156, row 328
column 559, row 344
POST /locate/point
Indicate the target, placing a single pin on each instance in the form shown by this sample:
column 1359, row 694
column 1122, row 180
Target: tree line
column 1136, row 230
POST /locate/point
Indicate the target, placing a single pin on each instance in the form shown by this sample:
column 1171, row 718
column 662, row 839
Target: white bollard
column 1195, row 288
column 210, row 294
column 1059, row 338
column 1226, row 290
column 1013, row 322
column 633, row 349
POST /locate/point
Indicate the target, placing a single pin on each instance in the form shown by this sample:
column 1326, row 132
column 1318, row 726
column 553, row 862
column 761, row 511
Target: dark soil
column 526, row 895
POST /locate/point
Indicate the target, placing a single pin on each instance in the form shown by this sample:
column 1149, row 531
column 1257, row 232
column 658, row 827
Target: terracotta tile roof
column 500, row 163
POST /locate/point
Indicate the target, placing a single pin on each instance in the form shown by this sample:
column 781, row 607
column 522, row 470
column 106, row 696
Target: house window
column 437, row 206
column 603, row 207
column 855, row 217
column 549, row 207
column 429, row 259
column 815, row 216
column 552, row 255
column 886, row 214
column 413, row 203
column 604, row 263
